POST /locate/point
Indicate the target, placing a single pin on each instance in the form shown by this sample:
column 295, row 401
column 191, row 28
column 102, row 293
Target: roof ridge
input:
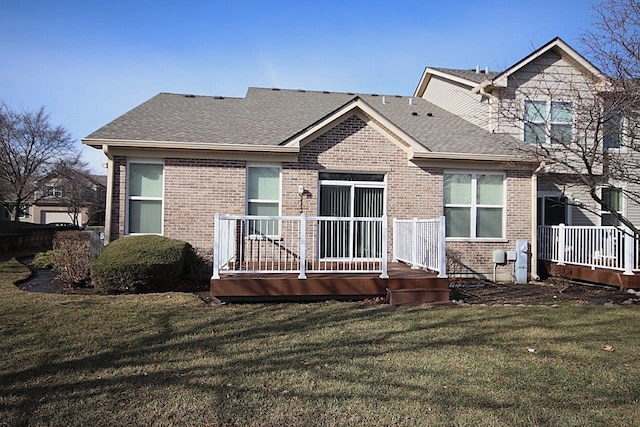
column 276, row 89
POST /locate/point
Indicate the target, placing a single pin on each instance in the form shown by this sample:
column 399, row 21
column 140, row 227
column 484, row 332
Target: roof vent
column 189, row 96
column 414, row 113
column 384, row 100
column 410, row 101
column 429, row 114
column 275, row 88
column 350, row 93
column 478, row 69
column 374, row 94
column 398, row 96
column 218, row 97
column 301, row 90
column 325, row 91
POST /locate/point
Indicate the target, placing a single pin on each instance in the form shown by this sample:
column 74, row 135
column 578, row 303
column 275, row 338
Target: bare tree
column 583, row 126
column 79, row 190
column 30, row 146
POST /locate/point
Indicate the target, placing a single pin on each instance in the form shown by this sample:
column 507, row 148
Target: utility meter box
column 499, row 257
column 512, row 255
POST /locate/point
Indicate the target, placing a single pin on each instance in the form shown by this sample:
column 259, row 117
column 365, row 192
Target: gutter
column 194, row 146
column 534, row 221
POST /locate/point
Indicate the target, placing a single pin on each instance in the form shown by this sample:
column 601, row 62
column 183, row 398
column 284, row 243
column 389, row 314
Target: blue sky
column 88, row 62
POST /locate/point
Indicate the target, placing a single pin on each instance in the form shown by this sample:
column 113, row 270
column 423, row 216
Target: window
column 263, row 198
column 53, row 191
column 145, row 187
column 23, row 210
column 474, row 205
column 548, row 122
column 553, row 210
column 612, row 197
column 612, row 129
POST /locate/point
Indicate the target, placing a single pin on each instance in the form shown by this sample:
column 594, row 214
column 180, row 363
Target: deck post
column 442, row 248
column 561, row 244
column 216, row 247
column 414, row 243
column 303, row 247
column 628, row 251
column 385, row 257
column 394, row 229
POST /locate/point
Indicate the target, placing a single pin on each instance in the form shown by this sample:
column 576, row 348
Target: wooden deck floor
column 599, row 275
column 425, row 285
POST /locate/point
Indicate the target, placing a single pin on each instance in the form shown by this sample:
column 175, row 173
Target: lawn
column 170, row 359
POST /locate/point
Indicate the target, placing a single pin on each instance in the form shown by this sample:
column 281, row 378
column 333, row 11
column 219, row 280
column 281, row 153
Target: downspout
column 534, row 221
column 107, row 208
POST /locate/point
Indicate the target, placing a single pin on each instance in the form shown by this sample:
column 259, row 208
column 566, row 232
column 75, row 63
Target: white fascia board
column 428, row 72
column 565, row 51
column 466, row 158
column 191, row 146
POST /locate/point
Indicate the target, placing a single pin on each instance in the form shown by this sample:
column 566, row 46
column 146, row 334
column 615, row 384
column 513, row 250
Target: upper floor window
column 23, row 210
column 612, row 129
column 54, row 191
column 145, row 189
column 612, row 197
column 263, row 198
column 548, row 122
column 474, row 205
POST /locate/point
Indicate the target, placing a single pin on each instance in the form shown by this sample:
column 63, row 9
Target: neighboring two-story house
column 78, row 199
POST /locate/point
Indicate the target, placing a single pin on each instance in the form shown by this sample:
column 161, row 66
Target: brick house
column 176, row 160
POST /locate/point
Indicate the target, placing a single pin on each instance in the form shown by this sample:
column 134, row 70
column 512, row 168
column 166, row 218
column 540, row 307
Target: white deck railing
column 421, row 243
column 596, row 247
column 299, row 244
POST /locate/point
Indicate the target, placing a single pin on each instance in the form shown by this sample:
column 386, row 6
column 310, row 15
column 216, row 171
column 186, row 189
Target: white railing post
column 394, row 230
column 414, row 243
column 442, row 248
column 385, row 257
column 303, row 247
column 561, row 244
column 628, row 251
column 216, row 247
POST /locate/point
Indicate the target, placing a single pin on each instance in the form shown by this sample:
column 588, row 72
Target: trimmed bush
column 71, row 256
column 43, row 260
column 139, row 264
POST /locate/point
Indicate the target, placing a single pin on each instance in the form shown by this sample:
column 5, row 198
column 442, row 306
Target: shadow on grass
column 298, row 363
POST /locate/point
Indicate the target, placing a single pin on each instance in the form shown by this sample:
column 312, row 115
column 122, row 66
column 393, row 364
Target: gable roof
column 279, row 118
column 475, row 80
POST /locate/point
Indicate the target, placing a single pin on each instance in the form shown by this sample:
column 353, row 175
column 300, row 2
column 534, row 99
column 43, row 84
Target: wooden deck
column 419, row 285
column 586, row 274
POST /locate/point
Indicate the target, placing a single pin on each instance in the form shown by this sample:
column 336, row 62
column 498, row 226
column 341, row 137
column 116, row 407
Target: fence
column 299, row 244
column 421, row 243
column 596, row 247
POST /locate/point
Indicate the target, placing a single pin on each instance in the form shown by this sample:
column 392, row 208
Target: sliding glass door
column 351, row 197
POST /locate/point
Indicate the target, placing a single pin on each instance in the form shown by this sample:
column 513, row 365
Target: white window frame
column 248, row 201
column 352, row 189
column 129, row 198
column 474, row 206
column 622, row 203
column 546, row 121
column 54, row 191
column 622, row 137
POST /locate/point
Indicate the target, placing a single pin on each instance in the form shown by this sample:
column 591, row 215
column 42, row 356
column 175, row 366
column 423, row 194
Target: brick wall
column 196, row 189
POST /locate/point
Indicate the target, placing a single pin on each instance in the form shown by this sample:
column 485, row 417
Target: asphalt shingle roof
column 468, row 74
column 272, row 116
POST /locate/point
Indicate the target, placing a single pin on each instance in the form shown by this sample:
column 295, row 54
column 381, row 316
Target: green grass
column 169, row 359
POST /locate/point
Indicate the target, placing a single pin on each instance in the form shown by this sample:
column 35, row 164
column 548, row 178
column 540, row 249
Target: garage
column 48, row 217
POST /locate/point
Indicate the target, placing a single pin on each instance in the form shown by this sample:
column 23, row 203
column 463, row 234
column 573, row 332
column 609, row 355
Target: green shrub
column 71, row 256
column 43, row 260
column 138, row 264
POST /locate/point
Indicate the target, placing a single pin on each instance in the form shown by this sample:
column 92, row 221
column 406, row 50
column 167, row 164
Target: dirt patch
column 550, row 292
